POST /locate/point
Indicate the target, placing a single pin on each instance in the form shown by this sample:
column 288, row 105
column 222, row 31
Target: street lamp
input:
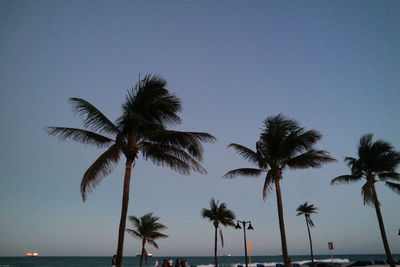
column 244, row 235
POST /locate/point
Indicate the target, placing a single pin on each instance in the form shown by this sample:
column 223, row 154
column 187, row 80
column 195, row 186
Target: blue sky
column 332, row 65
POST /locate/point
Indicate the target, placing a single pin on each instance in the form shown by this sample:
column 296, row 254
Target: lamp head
column 250, row 227
column 238, row 226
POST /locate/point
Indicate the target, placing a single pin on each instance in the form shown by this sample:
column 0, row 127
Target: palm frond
column 345, row 179
column 269, row 179
column 99, row 169
column 92, row 117
column 79, row 135
column 299, row 141
column 153, row 101
column 186, row 140
column 218, row 213
column 247, row 172
column 221, row 237
column 312, row 158
column 395, row 187
column 367, row 193
column 245, row 153
column 309, row 221
column 154, row 244
column 134, row 233
column 384, row 176
column 173, row 157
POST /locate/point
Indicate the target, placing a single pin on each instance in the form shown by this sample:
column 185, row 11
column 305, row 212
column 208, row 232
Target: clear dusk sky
column 332, row 65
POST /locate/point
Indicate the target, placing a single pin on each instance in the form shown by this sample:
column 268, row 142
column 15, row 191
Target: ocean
column 232, row 261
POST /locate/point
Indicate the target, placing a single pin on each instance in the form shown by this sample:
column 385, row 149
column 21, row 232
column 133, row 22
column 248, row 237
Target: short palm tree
column 147, row 229
column 218, row 214
column 282, row 144
column 148, row 110
column 377, row 162
column 307, row 210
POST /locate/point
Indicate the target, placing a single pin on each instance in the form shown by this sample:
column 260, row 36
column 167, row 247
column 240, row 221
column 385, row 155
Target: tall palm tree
column 377, row 162
column 307, row 210
column 282, row 144
column 149, row 108
column 218, row 214
column 146, row 229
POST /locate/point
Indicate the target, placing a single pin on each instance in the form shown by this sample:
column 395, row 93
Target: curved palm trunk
column 124, row 210
column 281, row 223
column 215, row 247
column 382, row 228
column 309, row 236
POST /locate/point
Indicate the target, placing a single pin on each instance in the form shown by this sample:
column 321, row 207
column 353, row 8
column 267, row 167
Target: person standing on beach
column 156, row 264
column 177, row 263
column 114, row 261
column 170, row 262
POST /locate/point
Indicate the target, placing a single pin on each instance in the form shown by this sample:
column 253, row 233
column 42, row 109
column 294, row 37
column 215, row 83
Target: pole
column 245, row 243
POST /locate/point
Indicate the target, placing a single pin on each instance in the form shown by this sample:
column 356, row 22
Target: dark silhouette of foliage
column 149, row 108
column 307, row 210
column 376, row 162
column 218, row 214
column 282, row 144
column 147, row 229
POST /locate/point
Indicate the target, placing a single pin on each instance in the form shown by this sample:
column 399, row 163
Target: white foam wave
column 269, row 264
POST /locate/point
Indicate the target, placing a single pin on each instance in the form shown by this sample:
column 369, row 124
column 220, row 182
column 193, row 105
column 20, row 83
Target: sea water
column 224, row 261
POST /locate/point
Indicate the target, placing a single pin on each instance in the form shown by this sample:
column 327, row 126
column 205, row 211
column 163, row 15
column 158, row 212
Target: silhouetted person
column 114, row 260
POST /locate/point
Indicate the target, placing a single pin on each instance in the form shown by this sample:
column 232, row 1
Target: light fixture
column 238, row 226
column 250, row 227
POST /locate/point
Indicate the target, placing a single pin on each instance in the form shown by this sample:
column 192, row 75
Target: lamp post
column 244, row 235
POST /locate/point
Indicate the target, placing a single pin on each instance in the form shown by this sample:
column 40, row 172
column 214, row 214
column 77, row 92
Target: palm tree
column 218, row 214
column 147, row 229
column 142, row 128
column 307, row 210
column 377, row 162
column 282, row 144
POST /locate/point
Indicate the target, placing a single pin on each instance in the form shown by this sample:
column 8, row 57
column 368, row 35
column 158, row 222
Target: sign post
column 330, row 245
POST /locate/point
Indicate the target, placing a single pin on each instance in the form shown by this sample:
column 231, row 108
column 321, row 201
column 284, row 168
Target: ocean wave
column 268, row 264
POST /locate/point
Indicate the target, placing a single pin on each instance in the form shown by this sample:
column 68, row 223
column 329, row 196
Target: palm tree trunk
column 382, row 228
column 124, row 210
column 141, row 255
column 215, row 247
column 309, row 236
column 281, row 223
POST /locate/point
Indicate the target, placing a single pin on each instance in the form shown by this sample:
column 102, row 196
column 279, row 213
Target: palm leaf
column 345, row 179
column 312, row 158
column 309, row 221
column 245, row 152
column 153, row 102
column 177, row 159
column 134, row 233
column 367, row 193
column 395, row 187
column 221, row 237
column 389, row 176
column 247, row 172
column 154, row 244
column 267, row 184
column 299, row 141
column 92, row 117
column 187, row 140
column 99, row 169
column 79, row 135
